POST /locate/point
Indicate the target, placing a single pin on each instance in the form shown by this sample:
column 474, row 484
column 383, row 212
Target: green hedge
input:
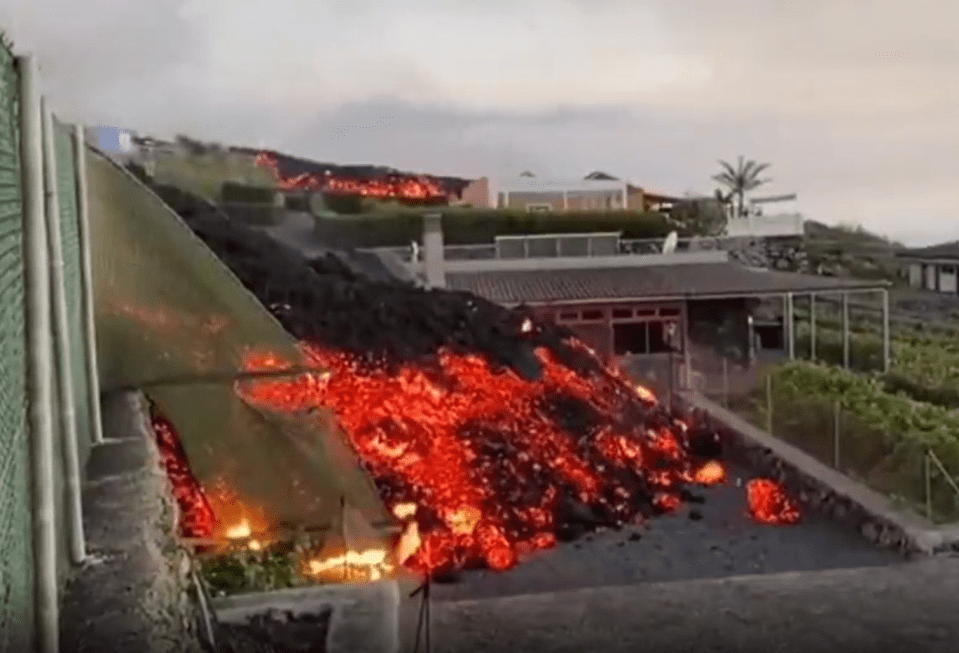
column 481, row 226
column 232, row 192
column 252, row 214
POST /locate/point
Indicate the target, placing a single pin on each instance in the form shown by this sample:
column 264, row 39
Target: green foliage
column 473, row 227
column 701, row 216
column 248, row 571
column 741, row 179
column 232, row 191
column 205, row 174
column 884, row 436
column 252, row 214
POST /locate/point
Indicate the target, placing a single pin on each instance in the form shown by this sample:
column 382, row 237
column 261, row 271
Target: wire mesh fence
column 904, row 447
column 16, row 555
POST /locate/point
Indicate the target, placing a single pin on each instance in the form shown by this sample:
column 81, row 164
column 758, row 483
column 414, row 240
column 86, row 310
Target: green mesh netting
column 16, row 554
column 168, row 311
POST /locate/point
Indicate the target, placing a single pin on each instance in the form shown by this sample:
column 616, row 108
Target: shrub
column 473, row 227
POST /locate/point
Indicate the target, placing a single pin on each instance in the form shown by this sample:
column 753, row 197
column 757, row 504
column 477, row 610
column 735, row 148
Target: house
column 645, row 310
column 598, row 191
column 933, row 268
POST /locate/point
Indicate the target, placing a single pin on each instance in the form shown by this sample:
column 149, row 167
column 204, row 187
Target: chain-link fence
column 16, row 554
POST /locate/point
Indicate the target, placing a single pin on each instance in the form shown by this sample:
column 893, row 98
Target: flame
column 769, row 503
column 712, row 473
column 645, row 394
column 409, row 188
column 371, row 564
column 239, row 531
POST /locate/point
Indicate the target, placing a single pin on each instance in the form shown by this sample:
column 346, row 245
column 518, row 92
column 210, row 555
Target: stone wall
column 135, row 591
column 773, row 253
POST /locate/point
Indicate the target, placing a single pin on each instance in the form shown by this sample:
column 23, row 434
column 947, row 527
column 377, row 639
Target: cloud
column 854, row 102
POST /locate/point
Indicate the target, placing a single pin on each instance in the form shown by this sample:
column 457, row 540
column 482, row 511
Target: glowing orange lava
column 396, row 186
column 769, row 503
column 481, row 458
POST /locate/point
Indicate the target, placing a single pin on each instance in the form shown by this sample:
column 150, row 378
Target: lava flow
column 498, row 465
column 769, row 503
column 489, row 433
column 394, row 186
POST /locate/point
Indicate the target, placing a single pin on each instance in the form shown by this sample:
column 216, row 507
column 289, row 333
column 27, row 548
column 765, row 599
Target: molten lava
column 769, row 503
column 395, row 186
column 489, row 463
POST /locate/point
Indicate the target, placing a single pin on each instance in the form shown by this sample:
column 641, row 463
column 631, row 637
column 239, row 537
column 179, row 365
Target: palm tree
column 740, row 180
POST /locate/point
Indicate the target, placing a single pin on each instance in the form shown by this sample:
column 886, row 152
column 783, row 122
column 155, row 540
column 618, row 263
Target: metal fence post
column 39, row 365
column 928, row 475
column 86, row 295
column 769, row 404
column 835, row 435
column 63, row 366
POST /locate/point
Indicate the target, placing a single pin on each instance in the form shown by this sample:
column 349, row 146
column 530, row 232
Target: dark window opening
column 770, row 336
column 645, row 312
column 574, row 315
column 592, row 315
column 630, row 338
column 948, row 269
column 622, row 313
column 663, row 337
column 669, row 311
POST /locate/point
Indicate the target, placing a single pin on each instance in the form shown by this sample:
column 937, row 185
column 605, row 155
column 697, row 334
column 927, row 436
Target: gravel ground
column 714, row 539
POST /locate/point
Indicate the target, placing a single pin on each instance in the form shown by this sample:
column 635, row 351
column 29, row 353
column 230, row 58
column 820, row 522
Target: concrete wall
column 931, row 277
column 135, row 593
column 915, row 275
column 947, row 279
column 477, row 193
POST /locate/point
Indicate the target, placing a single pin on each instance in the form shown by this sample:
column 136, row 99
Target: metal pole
column 835, row 435
column 845, row 330
column 886, row 357
column 63, row 363
column 928, row 475
column 812, row 327
column 769, row 404
column 39, row 365
column 790, row 326
column 86, row 294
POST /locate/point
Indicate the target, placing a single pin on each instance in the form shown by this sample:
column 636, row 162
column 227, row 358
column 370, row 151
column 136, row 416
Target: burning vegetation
column 489, row 435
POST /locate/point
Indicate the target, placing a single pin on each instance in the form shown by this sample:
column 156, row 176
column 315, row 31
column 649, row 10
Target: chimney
column 433, row 250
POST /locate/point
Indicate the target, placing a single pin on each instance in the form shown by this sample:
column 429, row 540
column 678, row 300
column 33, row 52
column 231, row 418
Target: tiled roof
column 945, row 250
column 687, row 280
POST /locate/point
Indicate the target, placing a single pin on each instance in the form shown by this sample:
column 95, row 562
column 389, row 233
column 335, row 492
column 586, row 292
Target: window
column 948, row 269
column 539, row 208
column 569, row 316
column 622, row 313
column 669, row 311
column 630, row 339
column 592, row 315
column 645, row 312
column 654, row 337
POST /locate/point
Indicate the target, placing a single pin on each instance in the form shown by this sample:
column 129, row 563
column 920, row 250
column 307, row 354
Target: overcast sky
column 854, row 102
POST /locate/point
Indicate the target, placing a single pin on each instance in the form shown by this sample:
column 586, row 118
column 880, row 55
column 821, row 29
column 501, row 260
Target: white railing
column 766, row 226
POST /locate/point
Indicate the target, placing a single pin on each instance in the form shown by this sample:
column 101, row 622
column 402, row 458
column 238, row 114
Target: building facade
column 934, row 268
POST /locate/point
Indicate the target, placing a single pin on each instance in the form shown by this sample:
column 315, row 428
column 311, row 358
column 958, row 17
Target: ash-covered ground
column 714, row 539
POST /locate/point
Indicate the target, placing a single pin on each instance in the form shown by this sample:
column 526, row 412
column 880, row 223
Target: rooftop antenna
column 669, row 245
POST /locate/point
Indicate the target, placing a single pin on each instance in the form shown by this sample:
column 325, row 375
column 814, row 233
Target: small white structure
column 934, row 268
